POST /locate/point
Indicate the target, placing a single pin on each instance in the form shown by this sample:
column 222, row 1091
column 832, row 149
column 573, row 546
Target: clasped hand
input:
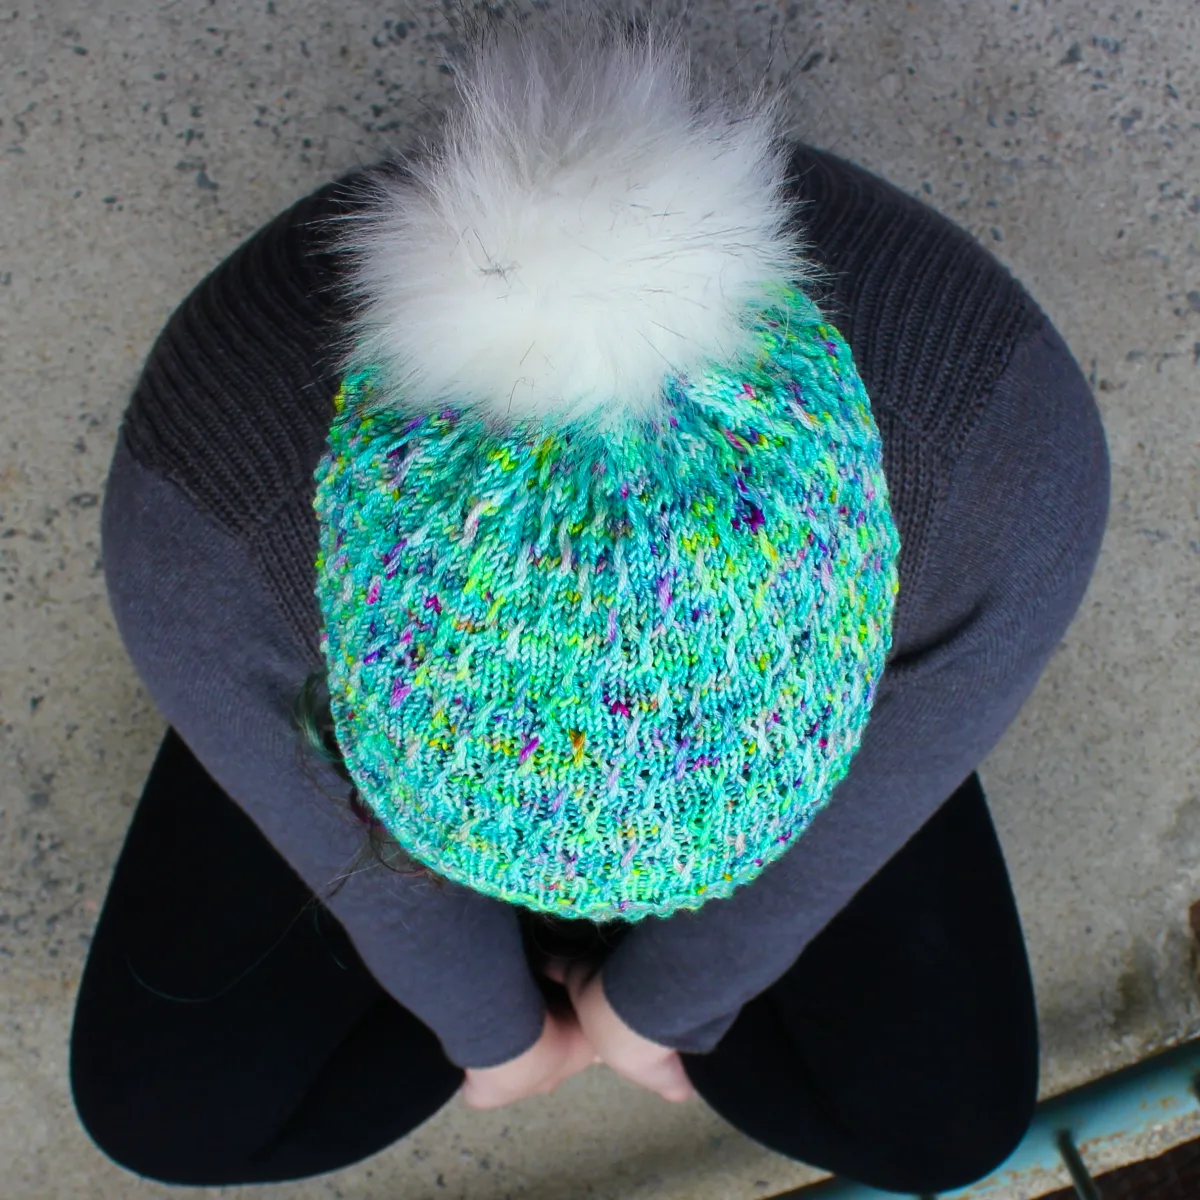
column 590, row 1032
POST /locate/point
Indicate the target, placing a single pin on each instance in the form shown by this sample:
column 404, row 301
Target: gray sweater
column 998, row 471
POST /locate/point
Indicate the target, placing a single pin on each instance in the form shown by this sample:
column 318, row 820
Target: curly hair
column 313, row 719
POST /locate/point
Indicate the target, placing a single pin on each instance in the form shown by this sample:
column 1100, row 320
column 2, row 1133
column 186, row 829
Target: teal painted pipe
column 1094, row 1116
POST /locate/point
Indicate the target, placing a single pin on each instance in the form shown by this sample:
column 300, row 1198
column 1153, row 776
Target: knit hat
column 607, row 566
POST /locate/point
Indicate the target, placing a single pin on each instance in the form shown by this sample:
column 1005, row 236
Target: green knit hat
column 609, row 669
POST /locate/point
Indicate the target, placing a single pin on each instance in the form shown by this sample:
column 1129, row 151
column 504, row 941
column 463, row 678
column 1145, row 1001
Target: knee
column 102, row 1112
column 129, row 1125
column 958, row 1142
column 108, row 1117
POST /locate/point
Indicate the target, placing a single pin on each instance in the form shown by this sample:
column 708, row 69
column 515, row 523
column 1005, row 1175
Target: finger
column 673, row 1082
column 678, row 1093
column 666, row 1078
column 577, row 974
column 556, row 969
column 481, row 1099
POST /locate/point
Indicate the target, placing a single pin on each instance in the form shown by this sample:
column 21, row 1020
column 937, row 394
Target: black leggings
column 900, row 1049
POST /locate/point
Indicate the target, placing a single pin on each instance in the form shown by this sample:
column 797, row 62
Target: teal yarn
column 610, row 676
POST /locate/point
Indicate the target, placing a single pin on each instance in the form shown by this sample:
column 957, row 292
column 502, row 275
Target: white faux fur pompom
column 587, row 226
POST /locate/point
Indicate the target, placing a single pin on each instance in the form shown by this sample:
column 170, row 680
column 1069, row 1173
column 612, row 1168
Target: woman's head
column 603, row 659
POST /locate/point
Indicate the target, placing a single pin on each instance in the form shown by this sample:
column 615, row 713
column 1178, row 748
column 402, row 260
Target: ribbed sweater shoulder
column 236, row 396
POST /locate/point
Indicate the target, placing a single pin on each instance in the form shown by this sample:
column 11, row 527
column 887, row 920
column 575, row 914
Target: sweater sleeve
column 207, row 641
column 1008, row 565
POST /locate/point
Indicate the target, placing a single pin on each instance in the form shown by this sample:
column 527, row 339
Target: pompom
column 587, row 226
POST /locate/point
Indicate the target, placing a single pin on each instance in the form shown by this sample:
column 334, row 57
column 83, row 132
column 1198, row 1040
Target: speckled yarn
column 611, row 676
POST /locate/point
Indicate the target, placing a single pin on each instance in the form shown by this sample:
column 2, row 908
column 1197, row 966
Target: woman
column 575, row 651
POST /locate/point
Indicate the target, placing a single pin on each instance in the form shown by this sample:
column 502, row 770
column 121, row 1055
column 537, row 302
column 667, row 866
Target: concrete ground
column 143, row 139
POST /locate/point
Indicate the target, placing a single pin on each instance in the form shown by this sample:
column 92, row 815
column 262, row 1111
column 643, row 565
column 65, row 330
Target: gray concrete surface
column 142, row 140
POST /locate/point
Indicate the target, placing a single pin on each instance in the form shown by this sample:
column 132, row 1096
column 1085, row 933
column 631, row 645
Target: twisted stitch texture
column 611, row 676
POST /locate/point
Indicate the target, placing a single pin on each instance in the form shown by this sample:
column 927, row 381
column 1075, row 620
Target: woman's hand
column 561, row 1051
column 632, row 1056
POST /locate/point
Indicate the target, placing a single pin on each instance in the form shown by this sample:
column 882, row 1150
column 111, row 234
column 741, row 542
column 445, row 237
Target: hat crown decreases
column 611, row 674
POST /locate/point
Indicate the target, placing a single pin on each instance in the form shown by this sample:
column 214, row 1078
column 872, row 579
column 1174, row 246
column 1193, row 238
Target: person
column 582, row 566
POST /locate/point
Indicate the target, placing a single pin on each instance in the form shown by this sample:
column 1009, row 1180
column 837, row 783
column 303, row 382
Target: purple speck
column 399, row 691
column 528, row 749
column 681, row 764
column 374, row 590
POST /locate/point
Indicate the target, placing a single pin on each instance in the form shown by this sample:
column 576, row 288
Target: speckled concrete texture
column 143, row 140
